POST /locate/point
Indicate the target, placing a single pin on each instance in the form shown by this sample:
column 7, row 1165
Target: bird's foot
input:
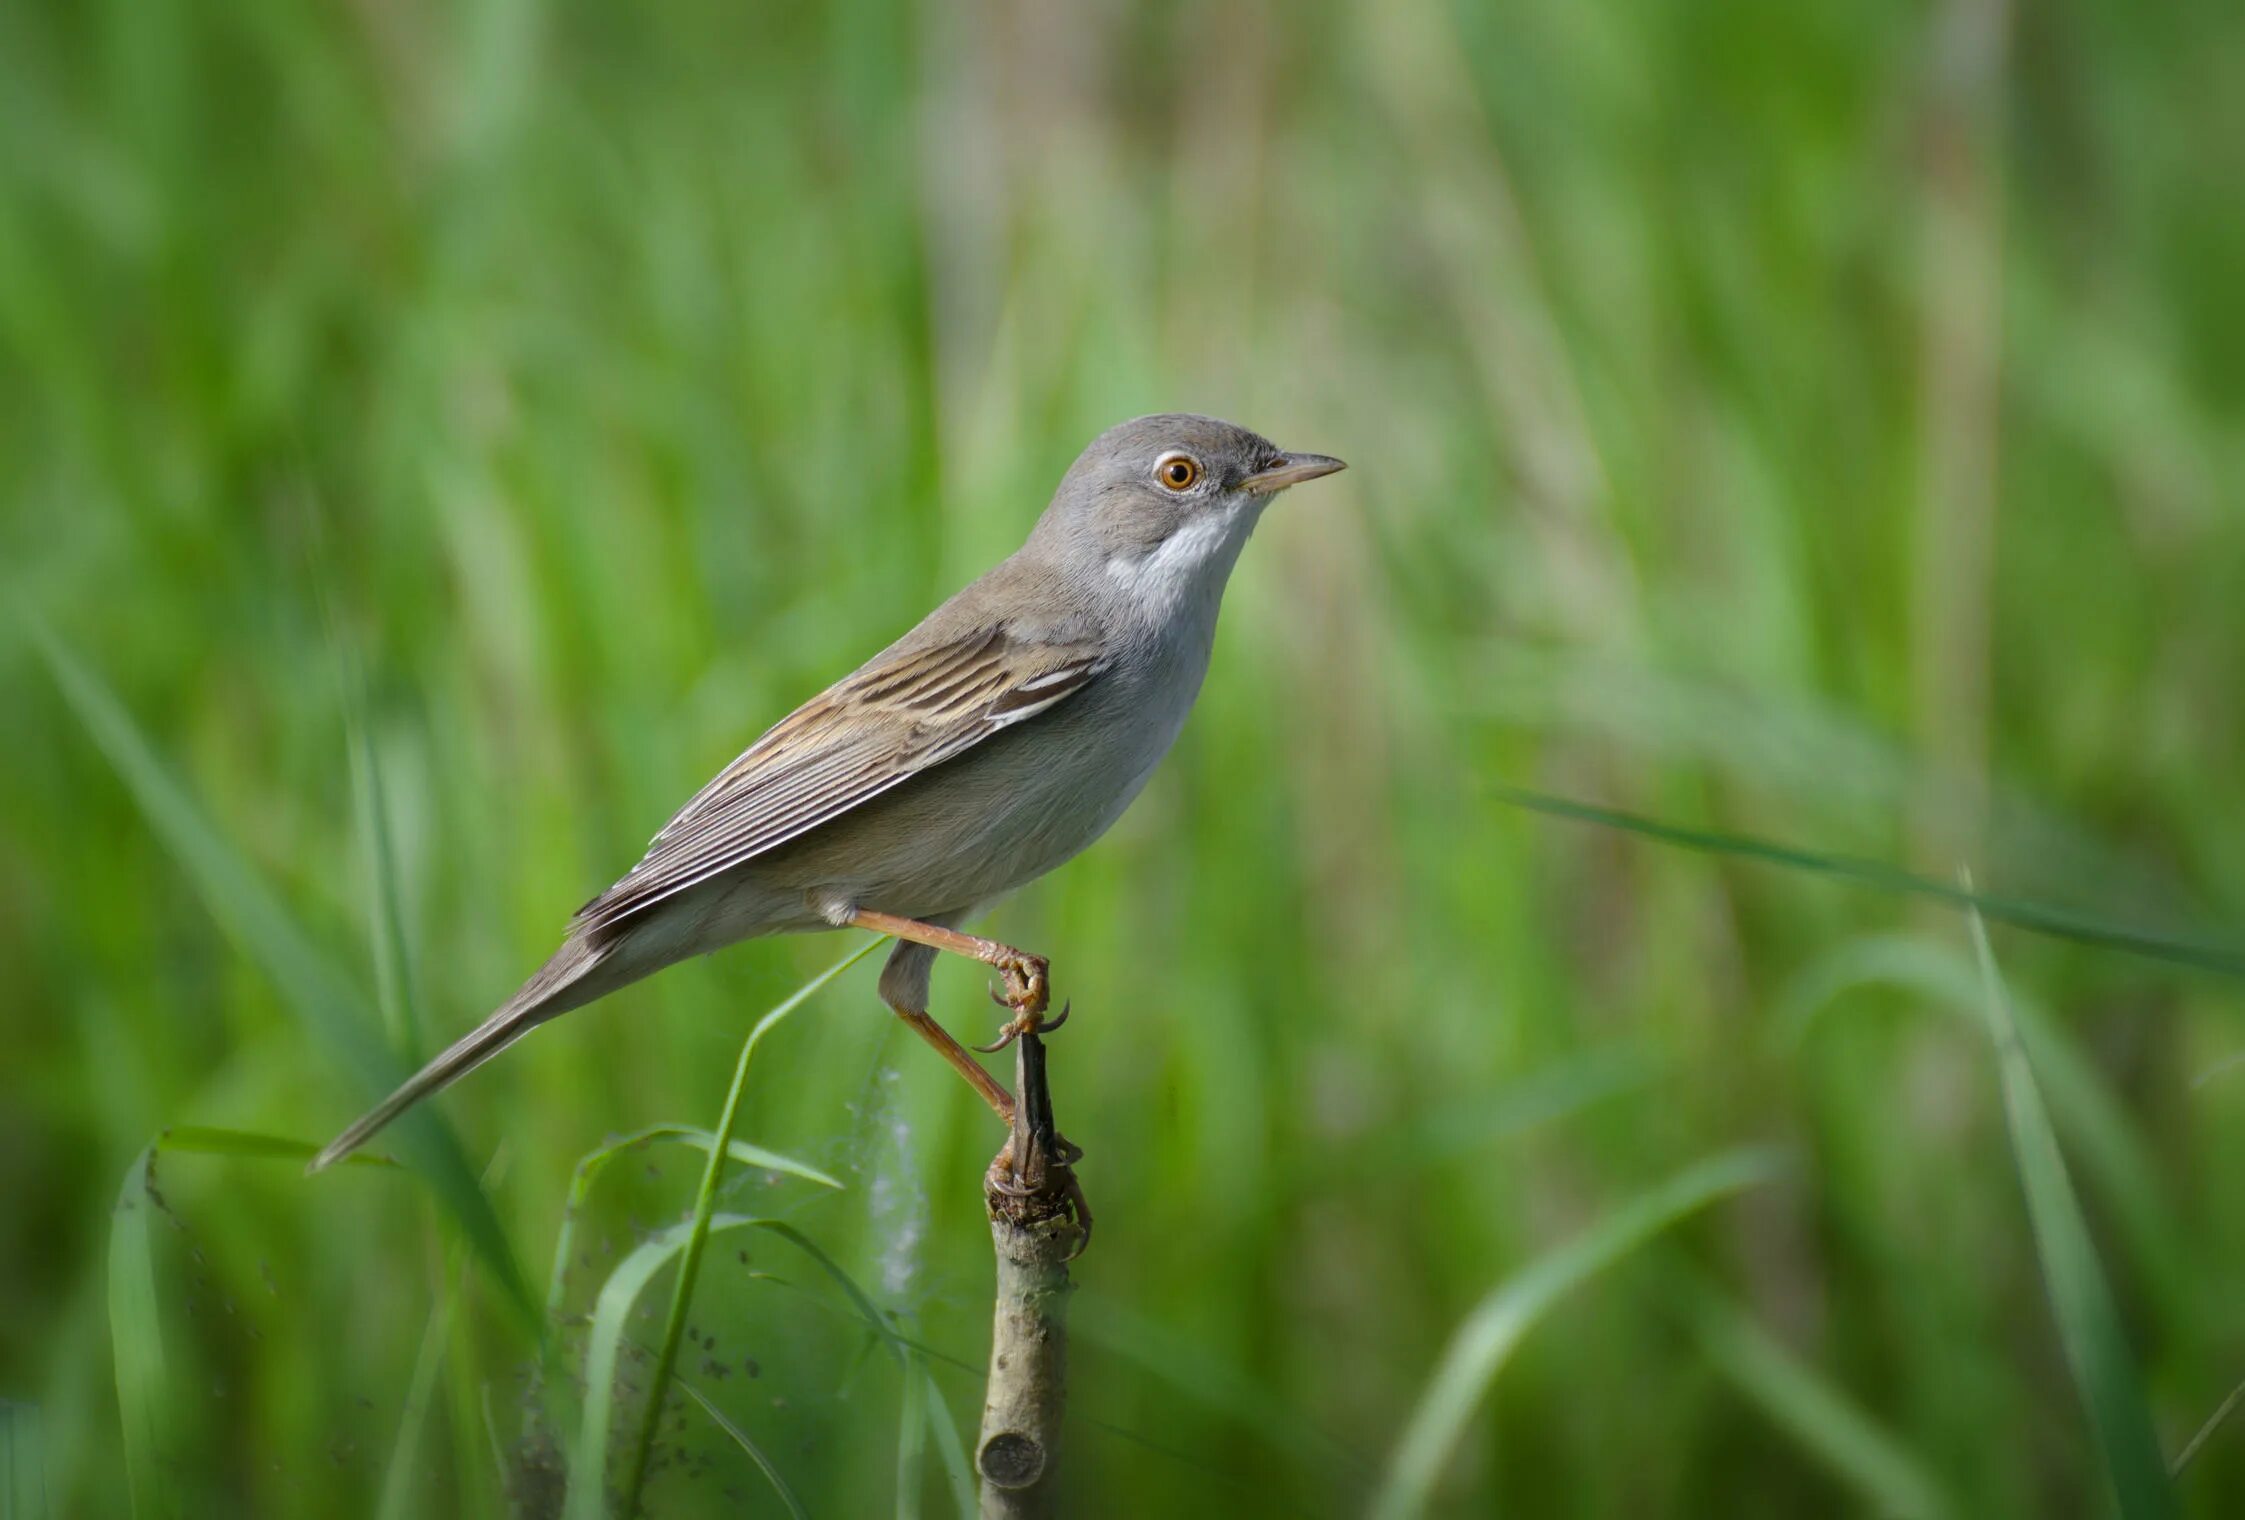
column 1042, row 1183
column 1025, row 983
column 1019, row 1025
column 1025, row 990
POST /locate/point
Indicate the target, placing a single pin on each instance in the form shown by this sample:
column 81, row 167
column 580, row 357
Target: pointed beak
column 1290, row 470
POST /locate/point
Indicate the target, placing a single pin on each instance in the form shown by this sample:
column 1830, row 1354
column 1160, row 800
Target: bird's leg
column 967, row 1066
column 1027, row 990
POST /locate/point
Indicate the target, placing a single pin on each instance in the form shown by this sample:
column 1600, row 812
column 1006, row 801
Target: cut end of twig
column 1038, row 1223
column 1011, row 1459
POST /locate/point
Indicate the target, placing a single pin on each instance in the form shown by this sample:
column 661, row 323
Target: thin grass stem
column 705, row 1207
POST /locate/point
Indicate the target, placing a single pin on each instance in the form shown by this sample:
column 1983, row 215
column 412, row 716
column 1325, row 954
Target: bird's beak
column 1291, row 470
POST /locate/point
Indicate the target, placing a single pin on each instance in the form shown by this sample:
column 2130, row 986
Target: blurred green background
column 452, row 431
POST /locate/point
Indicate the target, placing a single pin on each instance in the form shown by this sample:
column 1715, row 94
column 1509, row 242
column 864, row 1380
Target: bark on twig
column 1038, row 1223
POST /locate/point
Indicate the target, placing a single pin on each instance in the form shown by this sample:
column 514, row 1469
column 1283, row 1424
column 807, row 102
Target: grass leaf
column 204, row 1140
column 2116, row 1162
column 2040, row 918
column 136, row 1338
column 1480, row 1346
column 899, row 1349
column 396, row 991
column 928, row 1358
column 923, row 1415
column 705, row 1204
column 23, row 1462
column 1185, row 1365
column 595, row 1162
column 405, row 1453
column 911, row 1441
column 588, row 1461
column 793, row 1505
column 612, row 1311
column 2080, row 1301
column 136, row 1321
column 1545, row 1096
column 1827, row 1423
column 605, row 1341
column 949, row 1448
column 2205, row 1432
column 331, row 1009
column 754, row 1158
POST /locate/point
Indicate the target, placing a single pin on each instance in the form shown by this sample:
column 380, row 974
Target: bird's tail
column 563, row 983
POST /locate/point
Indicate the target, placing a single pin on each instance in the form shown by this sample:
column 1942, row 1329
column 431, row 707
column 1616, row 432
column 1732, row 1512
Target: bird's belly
column 1004, row 813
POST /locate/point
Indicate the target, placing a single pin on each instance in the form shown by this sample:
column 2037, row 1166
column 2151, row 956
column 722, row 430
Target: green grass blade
column 946, row 1428
column 2205, row 1432
column 396, row 991
column 924, row 1417
column 23, row 1462
column 705, row 1204
column 793, row 1505
column 1183, row 1364
column 611, row 1313
column 136, row 1337
column 2080, row 1300
column 398, row 996
column 911, row 1441
column 595, row 1162
column 230, row 889
column 1480, row 1346
column 135, row 1321
column 2039, row 918
column 1544, row 1096
column 330, row 1008
column 899, row 1349
column 495, row 1446
column 949, row 1448
column 754, row 1158
column 2116, row 1162
column 405, row 1452
column 1821, row 1417
column 480, row 1472
column 204, row 1140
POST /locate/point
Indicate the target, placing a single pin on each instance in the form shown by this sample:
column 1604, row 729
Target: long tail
column 559, row 985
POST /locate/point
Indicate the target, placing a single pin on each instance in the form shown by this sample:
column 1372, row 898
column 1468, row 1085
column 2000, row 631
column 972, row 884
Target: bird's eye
column 1177, row 471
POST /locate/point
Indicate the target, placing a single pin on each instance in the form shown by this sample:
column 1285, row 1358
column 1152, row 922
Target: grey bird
column 993, row 742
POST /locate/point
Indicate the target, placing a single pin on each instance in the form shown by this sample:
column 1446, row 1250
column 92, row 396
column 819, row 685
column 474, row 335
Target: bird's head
column 1160, row 505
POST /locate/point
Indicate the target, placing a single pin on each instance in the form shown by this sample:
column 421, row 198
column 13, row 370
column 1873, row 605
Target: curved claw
column 1001, row 998
column 1083, row 1217
column 1006, row 1036
column 1023, row 1025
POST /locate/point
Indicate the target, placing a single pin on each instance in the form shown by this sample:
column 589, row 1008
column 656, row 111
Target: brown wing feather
column 882, row 725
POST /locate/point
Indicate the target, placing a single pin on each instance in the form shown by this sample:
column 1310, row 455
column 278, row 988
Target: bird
column 996, row 740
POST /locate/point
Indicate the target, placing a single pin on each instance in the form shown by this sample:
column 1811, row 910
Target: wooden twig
column 1038, row 1224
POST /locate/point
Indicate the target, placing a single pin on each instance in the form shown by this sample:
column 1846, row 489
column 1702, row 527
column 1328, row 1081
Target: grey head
column 1153, row 514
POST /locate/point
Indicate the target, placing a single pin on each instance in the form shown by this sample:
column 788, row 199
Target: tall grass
column 599, row 384
column 2081, row 1301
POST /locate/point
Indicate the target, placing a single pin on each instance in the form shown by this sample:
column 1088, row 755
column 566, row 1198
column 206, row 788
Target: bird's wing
column 899, row 715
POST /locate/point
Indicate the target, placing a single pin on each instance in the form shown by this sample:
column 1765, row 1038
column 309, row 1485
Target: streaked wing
column 883, row 725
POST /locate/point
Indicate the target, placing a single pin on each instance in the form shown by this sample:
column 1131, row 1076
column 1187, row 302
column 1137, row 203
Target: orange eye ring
column 1178, row 472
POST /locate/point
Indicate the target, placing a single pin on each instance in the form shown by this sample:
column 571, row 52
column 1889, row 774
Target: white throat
column 1186, row 572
